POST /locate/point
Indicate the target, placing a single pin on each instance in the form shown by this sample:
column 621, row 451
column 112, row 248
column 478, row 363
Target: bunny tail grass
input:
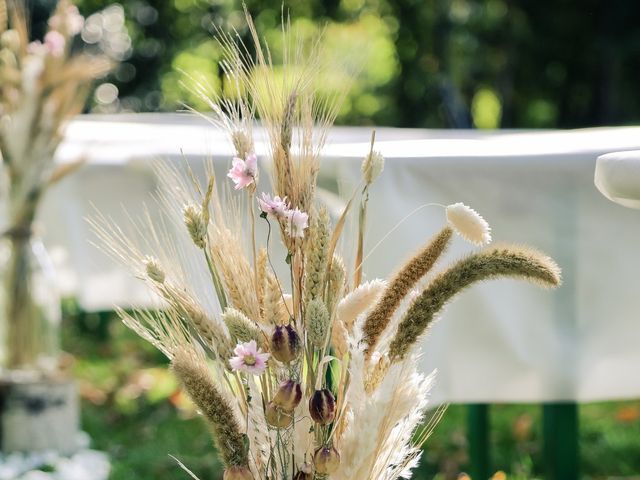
column 194, row 376
column 400, row 286
column 515, row 262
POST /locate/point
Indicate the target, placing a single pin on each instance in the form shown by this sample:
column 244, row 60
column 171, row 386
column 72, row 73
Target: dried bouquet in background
column 311, row 374
column 42, row 85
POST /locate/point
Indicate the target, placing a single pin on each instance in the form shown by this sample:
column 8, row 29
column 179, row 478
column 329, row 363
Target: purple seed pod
column 288, row 396
column 326, row 460
column 276, row 417
column 305, row 473
column 322, row 407
column 285, row 344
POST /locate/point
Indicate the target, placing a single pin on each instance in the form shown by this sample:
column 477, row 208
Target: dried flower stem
column 252, row 219
column 509, row 261
column 215, row 278
column 213, row 271
column 362, row 223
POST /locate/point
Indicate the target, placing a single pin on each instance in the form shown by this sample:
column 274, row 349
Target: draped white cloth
column 505, row 341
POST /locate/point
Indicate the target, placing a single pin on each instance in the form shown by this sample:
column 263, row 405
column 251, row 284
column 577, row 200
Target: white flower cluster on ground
column 83, row 465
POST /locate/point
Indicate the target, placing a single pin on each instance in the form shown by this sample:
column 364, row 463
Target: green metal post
column 478, row 435
column 560, row 430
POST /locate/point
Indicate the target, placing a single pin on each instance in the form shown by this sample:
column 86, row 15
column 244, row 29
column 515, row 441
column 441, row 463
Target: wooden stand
column 38, row 415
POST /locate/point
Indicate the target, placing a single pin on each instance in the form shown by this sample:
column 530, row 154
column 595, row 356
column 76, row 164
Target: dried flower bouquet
column 312, row 374
column 42, row 85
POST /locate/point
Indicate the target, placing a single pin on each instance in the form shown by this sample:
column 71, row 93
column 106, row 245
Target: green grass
column 132, row 409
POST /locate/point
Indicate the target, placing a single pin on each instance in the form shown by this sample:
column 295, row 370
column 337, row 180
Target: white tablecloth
column 504, row 341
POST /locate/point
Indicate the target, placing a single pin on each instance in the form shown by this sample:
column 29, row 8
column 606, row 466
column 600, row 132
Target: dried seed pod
column 322, row 406
column 237, row 473
column 326, row 460
column 288, row 396
column 285, row 344
column 305, row 473
column 277, row 417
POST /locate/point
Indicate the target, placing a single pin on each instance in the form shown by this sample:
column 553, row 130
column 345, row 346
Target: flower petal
column 236, row 363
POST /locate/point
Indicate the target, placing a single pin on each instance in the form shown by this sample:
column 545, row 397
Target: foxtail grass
column 401, row 284
column 522, row 263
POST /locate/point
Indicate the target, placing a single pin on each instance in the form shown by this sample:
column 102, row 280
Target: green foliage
column 486, row 109
column 197, row 64
column 430, row 63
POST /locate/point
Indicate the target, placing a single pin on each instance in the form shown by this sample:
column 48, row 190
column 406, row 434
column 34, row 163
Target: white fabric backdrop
column 505, row 341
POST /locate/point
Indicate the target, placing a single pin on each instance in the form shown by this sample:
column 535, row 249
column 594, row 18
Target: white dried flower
column 469, row 224
column 372, row 167
column 297, row 221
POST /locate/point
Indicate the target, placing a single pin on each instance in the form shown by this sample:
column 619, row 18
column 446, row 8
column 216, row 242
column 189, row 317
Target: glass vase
column 30, row 308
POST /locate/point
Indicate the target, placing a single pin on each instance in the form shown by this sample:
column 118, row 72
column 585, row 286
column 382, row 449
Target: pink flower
column 248, row 358
column 297, row 221
column 55, row 42
column 68, row 20
column 275, row 206
column 244, row 172
column 37, row 48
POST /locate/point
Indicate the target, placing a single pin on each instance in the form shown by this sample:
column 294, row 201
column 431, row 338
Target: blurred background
column 424, row 63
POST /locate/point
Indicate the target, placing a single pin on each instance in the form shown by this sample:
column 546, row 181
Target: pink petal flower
column 252, row 163
column 55, row 43
column 236, row 363
column 248, row 358
column 37, row 48
column 275, row 206
column 243, row 172
column 297, row 221
column 68, row 20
